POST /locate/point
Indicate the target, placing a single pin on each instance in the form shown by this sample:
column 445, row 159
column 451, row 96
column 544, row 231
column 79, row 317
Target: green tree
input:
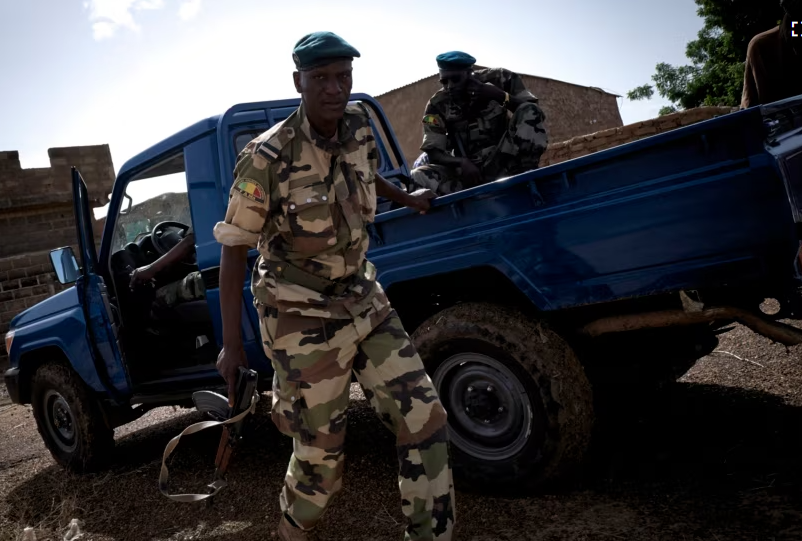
column 715, row 74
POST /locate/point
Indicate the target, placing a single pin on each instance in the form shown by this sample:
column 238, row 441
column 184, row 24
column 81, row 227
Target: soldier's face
column 454, row 82
column 325, row 90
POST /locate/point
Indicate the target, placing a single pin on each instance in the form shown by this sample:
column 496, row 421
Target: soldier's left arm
column 512, row 84
column 418, row 201
column 500, row 85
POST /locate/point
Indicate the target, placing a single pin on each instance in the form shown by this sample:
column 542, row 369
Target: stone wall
column 36, row 215
column 570, row 110
column 24, row 281
column 601, row 140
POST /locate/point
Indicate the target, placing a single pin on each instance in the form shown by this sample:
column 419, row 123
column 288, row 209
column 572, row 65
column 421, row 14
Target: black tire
column 544, row 434
column 69, row 420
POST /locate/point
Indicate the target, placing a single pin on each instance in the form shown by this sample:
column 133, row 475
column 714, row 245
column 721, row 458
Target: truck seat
column 192, row 312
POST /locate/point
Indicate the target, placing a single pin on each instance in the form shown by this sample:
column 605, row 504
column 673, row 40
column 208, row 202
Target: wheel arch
column 418, row 299
column 31, row 360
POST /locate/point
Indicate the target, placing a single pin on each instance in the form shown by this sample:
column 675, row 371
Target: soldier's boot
column 288, row 532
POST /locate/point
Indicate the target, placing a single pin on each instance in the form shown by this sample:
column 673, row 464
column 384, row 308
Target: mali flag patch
column 433, row 120
column 251, row 189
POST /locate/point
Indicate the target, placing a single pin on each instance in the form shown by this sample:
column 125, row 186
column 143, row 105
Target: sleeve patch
column 251, row 190
column 433, row 120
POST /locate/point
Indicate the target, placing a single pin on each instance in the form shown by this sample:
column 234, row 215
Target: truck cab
column 98, row 354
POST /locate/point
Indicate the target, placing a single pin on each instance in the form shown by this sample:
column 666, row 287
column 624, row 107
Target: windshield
column 150, row 199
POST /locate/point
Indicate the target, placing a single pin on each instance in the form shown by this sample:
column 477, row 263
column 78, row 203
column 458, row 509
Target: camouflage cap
column 320, row 48
column 455, row 60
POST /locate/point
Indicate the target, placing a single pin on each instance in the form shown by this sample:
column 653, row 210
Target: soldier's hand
column 484, row 91
column 419, row 200
column 142, row 275
column 471, row 175
column 228, row 363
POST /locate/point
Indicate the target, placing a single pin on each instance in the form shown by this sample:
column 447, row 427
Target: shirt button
column 292, row 206
column 292, row 399
column 325, row 198
column 308, row 200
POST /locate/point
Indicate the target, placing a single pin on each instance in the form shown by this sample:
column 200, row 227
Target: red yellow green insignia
column 433, row 120
column 251, row 189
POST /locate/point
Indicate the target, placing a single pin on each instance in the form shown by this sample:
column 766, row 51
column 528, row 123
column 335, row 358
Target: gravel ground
column 715, row 456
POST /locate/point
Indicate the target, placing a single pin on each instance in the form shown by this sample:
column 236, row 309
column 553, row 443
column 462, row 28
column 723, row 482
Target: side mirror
column 129, row 202
column 65, row 265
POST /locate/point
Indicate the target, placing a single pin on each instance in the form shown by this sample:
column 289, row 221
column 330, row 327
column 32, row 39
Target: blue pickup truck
column 509, row 289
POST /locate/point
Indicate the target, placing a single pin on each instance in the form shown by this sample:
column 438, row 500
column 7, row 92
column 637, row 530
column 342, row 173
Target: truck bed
column 702, row 206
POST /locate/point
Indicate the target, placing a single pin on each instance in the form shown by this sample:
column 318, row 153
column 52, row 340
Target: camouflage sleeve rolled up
column 248, row 200
column 434, row 130
column 510, row 82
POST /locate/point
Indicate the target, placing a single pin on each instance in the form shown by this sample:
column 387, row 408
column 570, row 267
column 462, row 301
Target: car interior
column 160, row 342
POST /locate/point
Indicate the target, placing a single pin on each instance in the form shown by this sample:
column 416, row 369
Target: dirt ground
column 715, row 456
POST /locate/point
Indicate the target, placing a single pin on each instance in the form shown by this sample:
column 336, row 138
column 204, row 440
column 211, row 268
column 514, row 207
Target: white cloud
column 103, row 29
column 109, row 15
column 189, row 9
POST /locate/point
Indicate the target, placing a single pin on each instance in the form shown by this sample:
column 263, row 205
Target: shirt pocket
column 310, row 219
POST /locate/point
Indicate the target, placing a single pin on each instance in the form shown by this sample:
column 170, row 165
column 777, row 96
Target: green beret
column 455, row 60
column 321, row 48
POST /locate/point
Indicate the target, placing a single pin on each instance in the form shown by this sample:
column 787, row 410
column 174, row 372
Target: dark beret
column 320, row 48
column 455, row 60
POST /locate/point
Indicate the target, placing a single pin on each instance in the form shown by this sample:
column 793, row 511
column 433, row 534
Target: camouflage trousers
column 313, row 360
column 189, row 288
column 518, row 151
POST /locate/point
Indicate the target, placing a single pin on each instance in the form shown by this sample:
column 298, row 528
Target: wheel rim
column 60, row 421
column 489, row 412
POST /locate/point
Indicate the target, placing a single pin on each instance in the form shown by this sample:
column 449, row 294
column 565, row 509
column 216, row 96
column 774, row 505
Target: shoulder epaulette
column 273, row 140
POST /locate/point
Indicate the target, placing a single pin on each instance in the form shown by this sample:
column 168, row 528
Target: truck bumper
column 11, row 378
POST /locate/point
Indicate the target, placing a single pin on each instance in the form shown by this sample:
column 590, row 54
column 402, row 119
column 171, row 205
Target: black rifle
column 217, row 407
column 232, row 420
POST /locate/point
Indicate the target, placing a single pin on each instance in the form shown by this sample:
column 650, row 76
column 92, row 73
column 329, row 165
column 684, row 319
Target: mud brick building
column 604, row 139
column 36, row 215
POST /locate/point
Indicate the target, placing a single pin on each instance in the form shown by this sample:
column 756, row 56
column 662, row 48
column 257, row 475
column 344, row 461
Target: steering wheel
column 164, row 238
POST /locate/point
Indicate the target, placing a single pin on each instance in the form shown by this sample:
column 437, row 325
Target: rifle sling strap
column 217, row 484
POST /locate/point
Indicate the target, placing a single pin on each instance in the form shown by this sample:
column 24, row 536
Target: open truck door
column 82, row 371
column 101, row 322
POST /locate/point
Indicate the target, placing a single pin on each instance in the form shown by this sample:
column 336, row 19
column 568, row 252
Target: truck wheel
column 69, row 421
column 520, row 409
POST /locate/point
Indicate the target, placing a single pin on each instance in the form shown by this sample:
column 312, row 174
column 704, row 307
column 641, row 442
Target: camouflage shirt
column 305, row 201
column 480, row 130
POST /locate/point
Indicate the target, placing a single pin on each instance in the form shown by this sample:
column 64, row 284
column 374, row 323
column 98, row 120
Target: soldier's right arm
column 247, row 210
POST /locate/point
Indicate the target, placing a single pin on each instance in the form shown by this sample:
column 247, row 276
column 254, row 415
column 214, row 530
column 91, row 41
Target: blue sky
column 131, row 72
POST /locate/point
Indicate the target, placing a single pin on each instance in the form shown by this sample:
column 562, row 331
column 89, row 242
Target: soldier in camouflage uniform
column 481, row 126
column 189, row 288
column 303, row 194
